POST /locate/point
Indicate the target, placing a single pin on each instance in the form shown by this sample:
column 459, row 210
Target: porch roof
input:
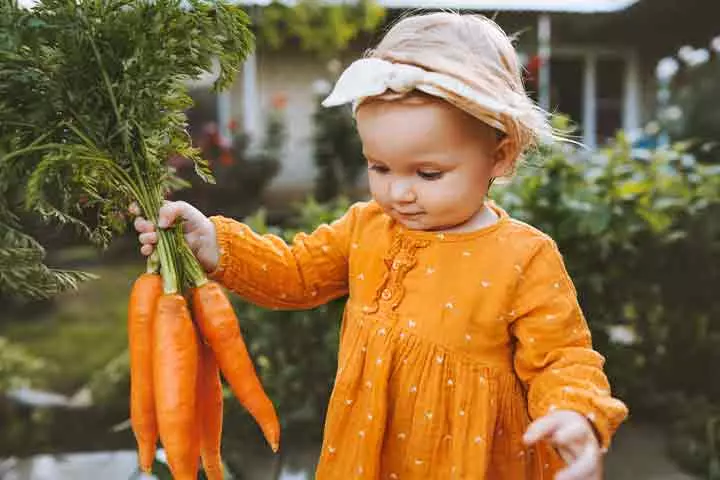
column 566, row 6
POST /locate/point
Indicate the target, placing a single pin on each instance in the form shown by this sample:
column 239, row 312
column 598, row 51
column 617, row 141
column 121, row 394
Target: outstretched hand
column 574, row 438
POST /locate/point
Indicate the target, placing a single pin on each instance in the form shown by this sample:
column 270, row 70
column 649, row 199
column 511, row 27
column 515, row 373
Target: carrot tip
column 275, row 447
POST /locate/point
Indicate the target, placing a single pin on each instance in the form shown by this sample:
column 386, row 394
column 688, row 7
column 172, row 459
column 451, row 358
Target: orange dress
column 450, row 343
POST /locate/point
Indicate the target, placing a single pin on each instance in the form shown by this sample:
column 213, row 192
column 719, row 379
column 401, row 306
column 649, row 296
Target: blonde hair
column 475, row 50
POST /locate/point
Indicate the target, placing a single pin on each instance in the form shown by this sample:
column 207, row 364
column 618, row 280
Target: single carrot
column 175, row 368
column 141, row 311
column 216, row 318
column 210, row 413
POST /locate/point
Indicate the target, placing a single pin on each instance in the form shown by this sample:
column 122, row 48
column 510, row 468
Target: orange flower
column 279, row 101
column 226, row 157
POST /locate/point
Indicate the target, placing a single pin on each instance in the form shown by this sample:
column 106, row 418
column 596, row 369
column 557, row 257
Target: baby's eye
column 430, row 175
column 379, row 168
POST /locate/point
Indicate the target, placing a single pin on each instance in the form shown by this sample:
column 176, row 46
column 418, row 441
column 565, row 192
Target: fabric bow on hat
column 510, row 112
column 371, row 77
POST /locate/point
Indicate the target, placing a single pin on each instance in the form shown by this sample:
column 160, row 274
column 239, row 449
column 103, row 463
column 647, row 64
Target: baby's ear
column 504, row 158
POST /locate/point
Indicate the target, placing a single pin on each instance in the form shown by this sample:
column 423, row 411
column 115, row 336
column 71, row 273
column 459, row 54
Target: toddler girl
column 463, row 351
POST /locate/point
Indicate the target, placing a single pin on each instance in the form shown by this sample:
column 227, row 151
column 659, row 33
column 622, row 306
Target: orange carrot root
column 210, row 412
column 175, row 365
column 144, row 296
column 216, row 318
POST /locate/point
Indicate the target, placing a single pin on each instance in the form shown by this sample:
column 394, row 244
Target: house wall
column 293, row 76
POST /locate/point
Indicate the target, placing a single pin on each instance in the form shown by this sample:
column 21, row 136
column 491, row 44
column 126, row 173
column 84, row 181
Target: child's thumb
column 541, row 428
column 169, row 212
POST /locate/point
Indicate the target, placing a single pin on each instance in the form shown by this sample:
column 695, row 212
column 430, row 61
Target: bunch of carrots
column 177, row 352
column 92, row 133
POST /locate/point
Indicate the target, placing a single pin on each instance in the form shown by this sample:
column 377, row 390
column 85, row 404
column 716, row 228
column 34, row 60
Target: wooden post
column 251, row 95
column 224, row 116
column 544, row 52
column 632, row 87
column 589, row 112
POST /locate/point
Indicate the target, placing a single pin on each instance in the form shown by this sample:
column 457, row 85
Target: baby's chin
column 427, row 223
column 420, row 222
column 412, row 224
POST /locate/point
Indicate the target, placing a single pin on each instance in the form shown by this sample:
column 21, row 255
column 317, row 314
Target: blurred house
column 594, row 60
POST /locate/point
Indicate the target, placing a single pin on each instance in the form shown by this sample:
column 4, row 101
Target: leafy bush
column 17, row 366
column 316, row 27
column 690, row 98
column 697, row 94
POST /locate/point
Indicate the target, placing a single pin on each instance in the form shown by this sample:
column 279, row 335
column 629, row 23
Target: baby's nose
column 402, row 191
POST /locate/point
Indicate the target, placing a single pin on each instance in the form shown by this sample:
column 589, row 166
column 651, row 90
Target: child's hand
column 574, row 437
column 199, row 231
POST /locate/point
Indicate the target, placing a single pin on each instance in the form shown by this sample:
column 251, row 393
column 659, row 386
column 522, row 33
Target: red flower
column 226, row 157
column 533, row 68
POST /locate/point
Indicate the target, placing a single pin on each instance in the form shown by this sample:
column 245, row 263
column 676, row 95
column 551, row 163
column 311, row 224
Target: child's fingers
column 167, row 214
column 143, row 226
column 541, row 428
column 170, row 212
column 149, row 238
column 146, row 250
column 570, row 435
column 585, row 467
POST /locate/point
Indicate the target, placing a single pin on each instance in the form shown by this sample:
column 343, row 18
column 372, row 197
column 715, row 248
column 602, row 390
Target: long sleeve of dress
column 268, row 272
column 553, row 352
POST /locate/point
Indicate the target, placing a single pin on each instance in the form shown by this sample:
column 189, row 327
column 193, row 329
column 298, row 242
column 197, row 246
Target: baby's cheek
column 377, row 191
column 443, row 199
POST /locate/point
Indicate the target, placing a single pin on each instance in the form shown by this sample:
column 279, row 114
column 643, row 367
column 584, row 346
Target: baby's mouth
column 409, row 214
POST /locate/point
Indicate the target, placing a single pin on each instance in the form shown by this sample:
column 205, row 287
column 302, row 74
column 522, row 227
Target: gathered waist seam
column 382, row 320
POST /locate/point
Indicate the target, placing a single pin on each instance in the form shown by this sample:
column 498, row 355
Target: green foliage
column 695, row 438
column 82, row 333
column 695, row 99
column 80, row 342
column 17, row 366
column 23, row 273
column 320, row 28
column 92, row 101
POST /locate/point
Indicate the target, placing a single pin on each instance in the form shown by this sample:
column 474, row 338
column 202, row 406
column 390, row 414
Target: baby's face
column 429, row 162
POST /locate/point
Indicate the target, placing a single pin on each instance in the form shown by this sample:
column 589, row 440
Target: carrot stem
column 193, row 269
column 153, row 263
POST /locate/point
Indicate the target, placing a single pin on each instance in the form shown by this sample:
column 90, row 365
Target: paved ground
column 637, row 454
